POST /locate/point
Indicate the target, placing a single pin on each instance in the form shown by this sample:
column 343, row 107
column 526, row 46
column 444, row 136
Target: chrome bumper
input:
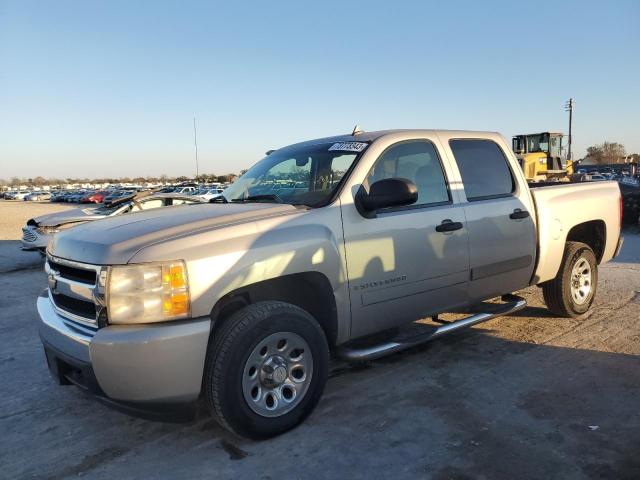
column 151, row 363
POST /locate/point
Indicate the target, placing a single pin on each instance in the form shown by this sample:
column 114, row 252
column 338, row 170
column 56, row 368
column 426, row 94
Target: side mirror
column 390, row 192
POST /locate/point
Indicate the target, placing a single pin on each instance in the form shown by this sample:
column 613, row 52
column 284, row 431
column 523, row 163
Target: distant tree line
column 610, row 152
column 40, row 181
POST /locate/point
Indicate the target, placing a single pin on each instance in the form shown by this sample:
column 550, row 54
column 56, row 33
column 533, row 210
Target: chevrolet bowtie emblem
column 51, row 278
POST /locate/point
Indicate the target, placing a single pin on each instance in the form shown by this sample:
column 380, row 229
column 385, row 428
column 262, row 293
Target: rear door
column 499, row 214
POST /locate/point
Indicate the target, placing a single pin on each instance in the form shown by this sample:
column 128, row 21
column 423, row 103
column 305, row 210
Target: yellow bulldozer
column 542, row 156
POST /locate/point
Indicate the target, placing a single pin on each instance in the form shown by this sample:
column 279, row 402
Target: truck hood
column 115, row 240
column 67, row 216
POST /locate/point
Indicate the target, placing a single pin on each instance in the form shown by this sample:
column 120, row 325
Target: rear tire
column 266, row 369
column 571, row 293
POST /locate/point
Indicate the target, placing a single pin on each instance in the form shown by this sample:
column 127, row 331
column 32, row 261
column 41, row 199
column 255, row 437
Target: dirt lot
column 15, row 213
column 526, row 396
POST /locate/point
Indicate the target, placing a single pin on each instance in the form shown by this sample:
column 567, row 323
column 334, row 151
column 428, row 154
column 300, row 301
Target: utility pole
column 195, row 143
column 568, row 107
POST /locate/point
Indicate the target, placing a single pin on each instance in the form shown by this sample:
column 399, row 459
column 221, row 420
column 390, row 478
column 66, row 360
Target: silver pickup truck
column 326, row 247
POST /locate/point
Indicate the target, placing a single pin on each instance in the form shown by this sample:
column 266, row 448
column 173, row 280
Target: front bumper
column 136, row 366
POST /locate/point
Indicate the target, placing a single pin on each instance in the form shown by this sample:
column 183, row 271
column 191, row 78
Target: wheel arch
column 310, row 291
column 592, row 233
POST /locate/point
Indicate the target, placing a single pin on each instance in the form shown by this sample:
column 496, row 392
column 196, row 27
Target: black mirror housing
column 389, row 192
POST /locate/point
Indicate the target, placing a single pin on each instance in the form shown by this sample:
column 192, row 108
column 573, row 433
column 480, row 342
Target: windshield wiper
column 260, row 198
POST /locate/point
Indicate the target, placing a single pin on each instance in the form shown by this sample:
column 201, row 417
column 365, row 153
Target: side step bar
column 359, row 354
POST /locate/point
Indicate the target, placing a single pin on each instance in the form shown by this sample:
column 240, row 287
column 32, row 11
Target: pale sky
column 110, row 88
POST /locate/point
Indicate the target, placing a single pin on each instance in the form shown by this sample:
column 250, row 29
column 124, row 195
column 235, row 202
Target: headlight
column 146, row 293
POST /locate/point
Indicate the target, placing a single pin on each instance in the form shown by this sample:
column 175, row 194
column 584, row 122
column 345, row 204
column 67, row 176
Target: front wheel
column 571, row 293
column 266, row 369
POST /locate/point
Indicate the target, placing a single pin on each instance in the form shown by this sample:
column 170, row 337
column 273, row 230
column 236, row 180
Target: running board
column 358, row 354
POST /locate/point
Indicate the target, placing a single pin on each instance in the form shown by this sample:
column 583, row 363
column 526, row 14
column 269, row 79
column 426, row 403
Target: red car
column 95, row 197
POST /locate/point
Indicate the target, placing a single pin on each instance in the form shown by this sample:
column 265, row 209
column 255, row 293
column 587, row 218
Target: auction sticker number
column 348, row 146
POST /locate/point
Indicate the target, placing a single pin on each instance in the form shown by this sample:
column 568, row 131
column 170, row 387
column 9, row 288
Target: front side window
column 483, row 167
column 299, row 175
column 418, row 161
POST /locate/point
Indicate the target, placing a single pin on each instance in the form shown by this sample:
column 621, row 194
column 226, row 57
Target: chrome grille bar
column 76, row 293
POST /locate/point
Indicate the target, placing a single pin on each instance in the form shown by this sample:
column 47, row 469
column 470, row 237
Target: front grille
column 28, row 235
column 75, row 306
column 74, row 273
column 76, row 294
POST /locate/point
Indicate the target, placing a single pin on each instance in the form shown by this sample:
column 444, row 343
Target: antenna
column 357, row 130
column 195, row 143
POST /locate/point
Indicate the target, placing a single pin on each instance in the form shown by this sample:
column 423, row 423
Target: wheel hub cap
column 581, row 281
column 273, row 372
column 277, row 374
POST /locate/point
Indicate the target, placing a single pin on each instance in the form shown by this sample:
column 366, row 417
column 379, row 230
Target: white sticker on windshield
column 348, row 146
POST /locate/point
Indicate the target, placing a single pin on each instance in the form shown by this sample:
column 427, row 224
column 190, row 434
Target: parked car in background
column 208, row 193
column 184, row 190
column 630, row 190
column 10, row 194
column 38, row 196
column 117, row 194
column 21, row 194
column 37, row 232
column 595, row 177
column 57, row 195
column 96, row 197
column 87, row 194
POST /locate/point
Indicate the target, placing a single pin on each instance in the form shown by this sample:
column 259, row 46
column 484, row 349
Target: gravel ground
column 528, row 396
column 14, row 214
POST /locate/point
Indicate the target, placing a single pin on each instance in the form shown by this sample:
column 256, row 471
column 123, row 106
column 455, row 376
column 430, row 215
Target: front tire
column 266, row 369
column 571, row 293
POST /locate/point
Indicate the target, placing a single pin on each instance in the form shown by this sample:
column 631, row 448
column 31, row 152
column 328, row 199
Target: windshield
column 538, row 143
column 303, row 175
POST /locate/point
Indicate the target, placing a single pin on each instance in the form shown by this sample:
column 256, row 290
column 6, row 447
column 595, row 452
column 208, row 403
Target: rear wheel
column 571, row 293
column 266, row 369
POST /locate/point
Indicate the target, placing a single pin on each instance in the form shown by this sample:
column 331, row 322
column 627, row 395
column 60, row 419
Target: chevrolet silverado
column 316, row 251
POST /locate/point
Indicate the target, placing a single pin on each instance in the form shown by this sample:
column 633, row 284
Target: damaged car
column 37, row 232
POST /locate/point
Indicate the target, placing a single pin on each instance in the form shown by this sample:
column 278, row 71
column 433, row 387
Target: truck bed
column 559, row 206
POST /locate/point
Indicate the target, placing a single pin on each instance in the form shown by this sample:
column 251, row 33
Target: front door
column 402, row 264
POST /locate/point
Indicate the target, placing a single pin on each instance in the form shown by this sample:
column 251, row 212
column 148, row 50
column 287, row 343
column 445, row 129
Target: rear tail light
column 620, row 209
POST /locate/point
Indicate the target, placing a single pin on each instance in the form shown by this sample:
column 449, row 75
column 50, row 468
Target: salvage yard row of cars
column 206, row 192
column 38, row 231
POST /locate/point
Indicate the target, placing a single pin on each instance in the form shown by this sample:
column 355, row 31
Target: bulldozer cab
column 545, row 142
column 542, row 155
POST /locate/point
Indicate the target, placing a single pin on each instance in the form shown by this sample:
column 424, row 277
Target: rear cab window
column 484, row 169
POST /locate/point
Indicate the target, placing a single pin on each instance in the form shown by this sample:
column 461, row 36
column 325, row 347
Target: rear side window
column 483, row 167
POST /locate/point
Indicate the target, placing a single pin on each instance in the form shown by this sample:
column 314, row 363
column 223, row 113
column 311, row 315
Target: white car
column 37, row 197
column 22, row 195
column 208, row 193
column 596, row 178
column 37, row 232
column 184, row 190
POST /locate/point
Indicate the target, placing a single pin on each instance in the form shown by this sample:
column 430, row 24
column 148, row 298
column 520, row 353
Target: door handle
column 518, row 214
column 448, row 226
